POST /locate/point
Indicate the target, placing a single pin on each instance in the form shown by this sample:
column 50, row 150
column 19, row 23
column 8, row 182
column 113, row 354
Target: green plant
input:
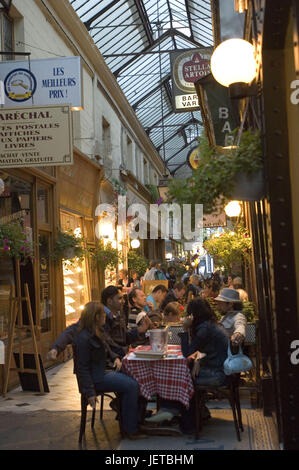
column 137, row 262
column 14, row 242
column 105, row 256
column 155, row 196
column 68, row 246
column 230, row 247
column 212, row 183
column 249, row 311
column 119, row 189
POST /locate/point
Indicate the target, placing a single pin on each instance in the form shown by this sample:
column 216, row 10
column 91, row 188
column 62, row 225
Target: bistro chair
column 230, row 391
column 84, row 404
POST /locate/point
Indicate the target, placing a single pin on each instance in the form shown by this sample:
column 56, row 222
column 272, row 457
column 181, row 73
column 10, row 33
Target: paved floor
column 51, row 421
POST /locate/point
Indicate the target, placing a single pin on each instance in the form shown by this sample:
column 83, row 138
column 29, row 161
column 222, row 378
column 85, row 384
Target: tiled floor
column 63, row 396
column 51, row 421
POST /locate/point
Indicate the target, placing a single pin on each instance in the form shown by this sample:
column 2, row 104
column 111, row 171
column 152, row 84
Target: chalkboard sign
column 29, row 381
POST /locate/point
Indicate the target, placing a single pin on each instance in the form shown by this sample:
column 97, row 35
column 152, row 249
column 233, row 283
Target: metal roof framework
column 135, row 37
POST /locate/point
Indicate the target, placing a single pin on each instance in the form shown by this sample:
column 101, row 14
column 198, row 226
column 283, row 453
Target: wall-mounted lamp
column 233, row 65
column 135, row 243
column 233, row 209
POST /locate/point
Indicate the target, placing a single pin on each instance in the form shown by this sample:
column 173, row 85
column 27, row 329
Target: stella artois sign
column 187, row 68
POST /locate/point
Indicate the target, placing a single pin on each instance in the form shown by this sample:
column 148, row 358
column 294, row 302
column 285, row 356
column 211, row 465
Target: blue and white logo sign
column 48, row 82
column 20, row 85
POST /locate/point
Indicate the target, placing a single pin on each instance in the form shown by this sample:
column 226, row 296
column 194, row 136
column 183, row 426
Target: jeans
column 129, row 389
column 210, row 376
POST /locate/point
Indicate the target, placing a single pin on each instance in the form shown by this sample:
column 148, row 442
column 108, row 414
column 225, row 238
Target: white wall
column 45, row 39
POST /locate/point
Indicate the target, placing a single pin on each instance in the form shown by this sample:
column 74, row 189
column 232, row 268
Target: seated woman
column 206, row 337
column 90, row 368
column 172, row 312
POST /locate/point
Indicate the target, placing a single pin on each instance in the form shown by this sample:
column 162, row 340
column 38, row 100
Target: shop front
column 78, row 197
column 28, row 201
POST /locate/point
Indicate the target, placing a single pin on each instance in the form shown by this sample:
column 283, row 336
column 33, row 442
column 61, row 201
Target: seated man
column 156, row 297
column 174, row 294
column 138, row 302
column 117, row 336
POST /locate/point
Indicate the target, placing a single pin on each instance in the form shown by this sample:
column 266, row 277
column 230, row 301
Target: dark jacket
column 119, row 335
column 68, row 336
column 90, row 362
column 209, row 339
column 170, row 297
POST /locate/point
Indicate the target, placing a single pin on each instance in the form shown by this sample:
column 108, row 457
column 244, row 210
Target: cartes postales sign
column 36, row 136
column 187, row 68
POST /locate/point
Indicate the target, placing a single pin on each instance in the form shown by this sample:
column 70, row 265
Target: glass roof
column 135, row 38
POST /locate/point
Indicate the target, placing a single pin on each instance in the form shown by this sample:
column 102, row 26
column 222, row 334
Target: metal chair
column 230, row 391
column 84, row 404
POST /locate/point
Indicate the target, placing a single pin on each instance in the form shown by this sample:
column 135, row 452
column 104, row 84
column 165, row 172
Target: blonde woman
column 91, row 364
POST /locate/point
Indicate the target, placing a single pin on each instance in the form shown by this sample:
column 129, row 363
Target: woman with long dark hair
column 90, row 368
column 208, row 338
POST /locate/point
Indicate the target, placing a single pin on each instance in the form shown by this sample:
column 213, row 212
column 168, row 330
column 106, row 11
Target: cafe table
column 168, row 377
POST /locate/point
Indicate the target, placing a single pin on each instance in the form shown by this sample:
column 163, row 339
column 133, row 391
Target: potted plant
column 68, row 246
column 229, row 247
column 14, row 242
column 105, row 256
column 215, row 181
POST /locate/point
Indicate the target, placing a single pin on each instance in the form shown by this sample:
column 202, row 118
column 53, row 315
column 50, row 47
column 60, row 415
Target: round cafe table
column 169, row 377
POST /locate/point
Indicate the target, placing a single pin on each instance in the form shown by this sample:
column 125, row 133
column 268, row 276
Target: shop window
column 6, row 36
column 76, row 290
column 42, row 205
column 45, row 294
column 15, row 205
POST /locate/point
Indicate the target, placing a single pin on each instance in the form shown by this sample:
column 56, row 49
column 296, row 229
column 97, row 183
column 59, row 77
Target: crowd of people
column 124, row 314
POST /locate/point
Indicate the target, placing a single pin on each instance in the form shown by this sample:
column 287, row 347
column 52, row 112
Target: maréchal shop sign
column 42, row 82
column 36, row 136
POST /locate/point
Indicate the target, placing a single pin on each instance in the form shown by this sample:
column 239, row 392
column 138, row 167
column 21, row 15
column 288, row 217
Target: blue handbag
column 236, row 363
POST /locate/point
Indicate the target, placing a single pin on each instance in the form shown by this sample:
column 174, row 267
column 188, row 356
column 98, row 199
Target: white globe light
column 233, row 209
column 233, row 61
column 135, row 243
column 169, row 256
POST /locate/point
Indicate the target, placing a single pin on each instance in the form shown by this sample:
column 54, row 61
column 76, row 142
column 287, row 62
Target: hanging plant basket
column 68, row 247
column 14, row 242
column 105, row 257
column 223, row 175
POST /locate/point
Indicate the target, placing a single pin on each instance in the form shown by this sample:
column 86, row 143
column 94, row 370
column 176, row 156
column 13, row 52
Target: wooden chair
column 230, row 391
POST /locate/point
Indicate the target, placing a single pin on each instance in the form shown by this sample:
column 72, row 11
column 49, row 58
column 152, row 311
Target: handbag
column 234, row 364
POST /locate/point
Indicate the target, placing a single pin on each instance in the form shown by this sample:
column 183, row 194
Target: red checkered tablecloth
column 169, row 378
